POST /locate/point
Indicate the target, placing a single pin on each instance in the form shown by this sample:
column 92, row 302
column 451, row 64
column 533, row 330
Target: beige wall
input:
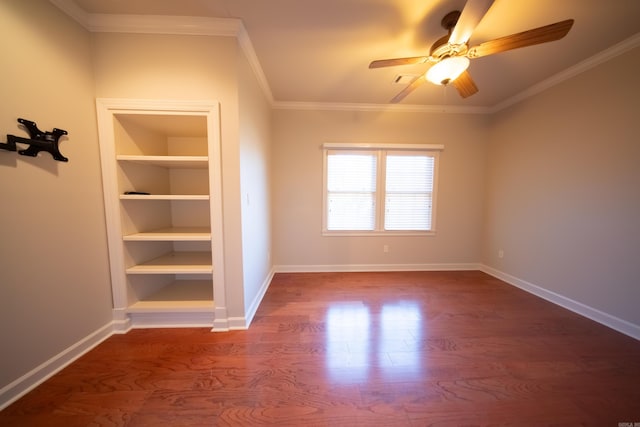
column 297, row 188
column 54, row 276
column 153, row 66
column 563, row 189
column 255, row 173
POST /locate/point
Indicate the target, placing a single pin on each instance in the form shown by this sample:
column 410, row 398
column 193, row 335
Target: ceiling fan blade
column 410, row 88
column 398, row 61
column 471, row 15
column 545, row 34
column 465, row 85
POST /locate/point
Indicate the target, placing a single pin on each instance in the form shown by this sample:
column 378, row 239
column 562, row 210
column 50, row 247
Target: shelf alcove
column 162, row 190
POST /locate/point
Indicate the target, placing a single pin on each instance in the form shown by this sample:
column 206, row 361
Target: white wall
column 297, row 189
column 54, row 276
column 255, row 173
column 563, row 189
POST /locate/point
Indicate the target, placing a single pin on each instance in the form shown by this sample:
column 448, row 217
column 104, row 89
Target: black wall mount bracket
column 38, row 141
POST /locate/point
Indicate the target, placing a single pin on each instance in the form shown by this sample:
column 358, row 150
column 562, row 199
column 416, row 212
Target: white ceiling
column 318, row 51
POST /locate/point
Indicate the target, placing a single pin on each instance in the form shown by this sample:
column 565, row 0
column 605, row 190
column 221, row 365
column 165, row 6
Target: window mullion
column 381, row 190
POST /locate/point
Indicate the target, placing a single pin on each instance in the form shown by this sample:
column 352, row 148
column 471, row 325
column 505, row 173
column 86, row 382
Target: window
column 371, row 189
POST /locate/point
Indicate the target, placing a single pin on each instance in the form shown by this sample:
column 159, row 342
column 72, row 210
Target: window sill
column 377, row 233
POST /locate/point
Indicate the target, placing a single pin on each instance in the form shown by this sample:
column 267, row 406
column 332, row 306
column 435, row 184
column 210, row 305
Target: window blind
column 351, row 190
column 408, row 191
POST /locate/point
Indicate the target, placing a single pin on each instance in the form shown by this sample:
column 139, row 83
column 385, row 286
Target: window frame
column 380, row 150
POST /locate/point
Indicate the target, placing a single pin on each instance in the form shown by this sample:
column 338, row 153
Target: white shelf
column 181, row 296
column 172, row 234
column 191, row 162
column 176, row 263
column 172, row 150
column 164, row 197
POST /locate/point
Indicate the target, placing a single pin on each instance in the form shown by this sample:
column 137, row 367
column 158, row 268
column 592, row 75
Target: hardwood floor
column 358, row 349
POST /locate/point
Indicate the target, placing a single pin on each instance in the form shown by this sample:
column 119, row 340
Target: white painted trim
column 594, row 314
column 249, row 52
column 382, row 146
column 589, row 63
column 112, row 209
column 392, row 108
column 150, row 24
column 243, row 323
column 220, row 319
column 253, row 307
column 121, row 321
column 171, row 320
column 157, row 106
column 21, row 386
column 340, row 268
column 216, row 213
column 238, row 324
column 73, row 10
column 163, row 24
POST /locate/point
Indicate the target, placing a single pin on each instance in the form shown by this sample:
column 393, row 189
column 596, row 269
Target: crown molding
column 151, row 24
column 247, row 47
column 231, row 27
column 589, row 63
column 73, row 10
column 396, row 108
column 177, row 25
column 162, row 24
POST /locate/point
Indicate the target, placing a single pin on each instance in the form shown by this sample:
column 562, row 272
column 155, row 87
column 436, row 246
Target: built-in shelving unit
column 165, row 239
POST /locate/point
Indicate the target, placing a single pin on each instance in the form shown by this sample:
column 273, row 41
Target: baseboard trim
column 238, row 324
column 345, row 268
column 171, row 320
column 221, row 321
column 594, row 314
column 253, row 307
column 21, row 386
column 121, row 321
column 243, row 323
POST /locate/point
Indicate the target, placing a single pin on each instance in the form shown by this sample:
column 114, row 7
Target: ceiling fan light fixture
column 447, row 70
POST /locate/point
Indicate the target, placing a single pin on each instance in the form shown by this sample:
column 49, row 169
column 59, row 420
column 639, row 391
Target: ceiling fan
column 451, row 53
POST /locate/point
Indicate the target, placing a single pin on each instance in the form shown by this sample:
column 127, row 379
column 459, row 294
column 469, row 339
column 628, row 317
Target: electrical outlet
column 500, row 253
column 385, row 249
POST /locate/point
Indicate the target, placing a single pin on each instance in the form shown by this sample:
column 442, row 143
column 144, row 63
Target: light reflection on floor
column 363, row 341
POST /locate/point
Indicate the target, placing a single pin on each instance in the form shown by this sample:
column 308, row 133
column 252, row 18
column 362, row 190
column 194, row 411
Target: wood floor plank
column 357, row 349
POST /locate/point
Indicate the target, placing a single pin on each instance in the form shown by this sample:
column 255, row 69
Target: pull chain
column 444, row 98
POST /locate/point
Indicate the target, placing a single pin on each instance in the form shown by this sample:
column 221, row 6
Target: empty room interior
column 285, row 211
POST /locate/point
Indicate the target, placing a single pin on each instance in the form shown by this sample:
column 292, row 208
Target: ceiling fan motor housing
column 441, row 48
column 450, row 20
